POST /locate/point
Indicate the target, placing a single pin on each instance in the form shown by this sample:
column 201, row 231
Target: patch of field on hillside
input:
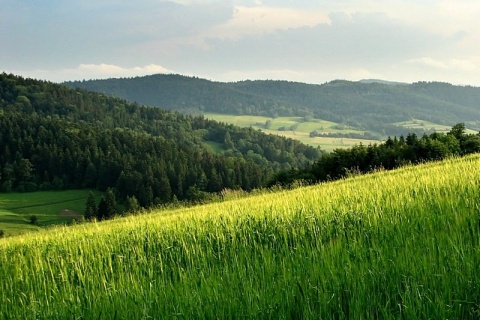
column 297, row 128
column 402, row 244
column 427, row 125
column 50, row 207
column 326, row 143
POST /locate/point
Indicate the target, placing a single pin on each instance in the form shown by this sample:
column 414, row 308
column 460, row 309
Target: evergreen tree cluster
column 54, row 137
column 391, row 154
column 106, row 209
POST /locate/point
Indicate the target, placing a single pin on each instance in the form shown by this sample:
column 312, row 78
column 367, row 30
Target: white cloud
column 304, row 40
column 93, row 71
column 259, row 20
column 108, row 70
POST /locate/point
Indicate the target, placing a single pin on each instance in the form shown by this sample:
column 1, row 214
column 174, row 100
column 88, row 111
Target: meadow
column 401, row 244
column 427, row 126
column 282, row 126
column 49, row 207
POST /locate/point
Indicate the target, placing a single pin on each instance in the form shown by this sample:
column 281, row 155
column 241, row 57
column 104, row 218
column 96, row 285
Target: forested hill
column 368, row 105
column 55, row 137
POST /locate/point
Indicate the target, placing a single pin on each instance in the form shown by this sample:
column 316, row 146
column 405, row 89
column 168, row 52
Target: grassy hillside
column 50, row 207
column 397, row 244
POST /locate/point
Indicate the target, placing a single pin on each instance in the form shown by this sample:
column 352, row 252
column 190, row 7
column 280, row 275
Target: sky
column 296, row 40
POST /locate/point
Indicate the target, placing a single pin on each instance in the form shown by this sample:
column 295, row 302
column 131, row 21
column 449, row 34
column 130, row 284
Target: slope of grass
column 50, row 207
column 400, row 244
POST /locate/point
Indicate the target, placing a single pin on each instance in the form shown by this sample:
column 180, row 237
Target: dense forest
column 55, row 137
column 391, row 154
column 365, row 105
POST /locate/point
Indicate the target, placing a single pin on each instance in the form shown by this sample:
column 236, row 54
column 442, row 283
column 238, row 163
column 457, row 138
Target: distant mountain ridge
column 393, row 83
column 368, row 104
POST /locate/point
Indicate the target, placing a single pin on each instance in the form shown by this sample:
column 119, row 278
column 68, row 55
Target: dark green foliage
column 2, row 233
column 107, row 208
column 372, row 106
column 90, row 178
column 6, row 186
column 196, row 195
column 90, row 207
column 65, row 138
column 102, row 210
column 33, row 219
column 132, row 204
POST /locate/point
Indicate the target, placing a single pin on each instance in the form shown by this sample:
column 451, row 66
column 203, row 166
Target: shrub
column 33, row 219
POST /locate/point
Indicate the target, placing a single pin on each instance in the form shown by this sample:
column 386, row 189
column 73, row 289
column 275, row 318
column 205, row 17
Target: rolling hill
column 372, row 105
column 55, row 138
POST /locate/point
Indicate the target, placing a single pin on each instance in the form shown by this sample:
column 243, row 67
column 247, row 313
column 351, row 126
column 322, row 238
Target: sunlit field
column 282, row 126
column 427, row 125
column 401, row 244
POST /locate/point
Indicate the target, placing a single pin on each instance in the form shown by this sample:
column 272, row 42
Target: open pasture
column 326, row 143
column 297, row 128
column 50, row 207
column 427, row 125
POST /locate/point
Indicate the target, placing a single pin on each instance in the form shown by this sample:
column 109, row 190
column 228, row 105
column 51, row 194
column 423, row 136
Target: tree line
column 391, row 154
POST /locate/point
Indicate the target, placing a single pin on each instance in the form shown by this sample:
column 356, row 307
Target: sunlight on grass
column 296, row 128
column 392, row 244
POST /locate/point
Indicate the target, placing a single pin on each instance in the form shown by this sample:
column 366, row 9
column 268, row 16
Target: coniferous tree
column 111, row 203
column 102, row 209
column 90, row 176
column 132, row 204
column 91, row 207
column 107, row 207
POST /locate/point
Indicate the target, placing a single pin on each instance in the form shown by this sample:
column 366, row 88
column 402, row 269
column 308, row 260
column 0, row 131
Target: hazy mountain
column 393, row 83
column 369, row 104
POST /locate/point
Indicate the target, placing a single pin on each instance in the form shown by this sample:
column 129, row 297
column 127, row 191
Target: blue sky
column 303, row 40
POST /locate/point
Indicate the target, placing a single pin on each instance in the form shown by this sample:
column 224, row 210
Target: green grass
column 401, row 244
column 427, row 125
column 326, row 143
column 50, row 207
column 301, row 132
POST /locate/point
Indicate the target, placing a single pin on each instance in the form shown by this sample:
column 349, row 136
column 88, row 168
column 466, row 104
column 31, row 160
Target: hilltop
column 382, row 108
